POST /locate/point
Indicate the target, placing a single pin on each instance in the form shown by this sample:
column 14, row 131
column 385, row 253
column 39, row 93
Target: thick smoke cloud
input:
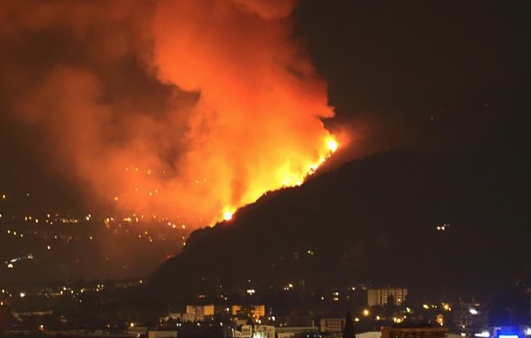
column 177, row 108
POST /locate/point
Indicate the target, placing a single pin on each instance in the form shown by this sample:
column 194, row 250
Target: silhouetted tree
column 348, row 331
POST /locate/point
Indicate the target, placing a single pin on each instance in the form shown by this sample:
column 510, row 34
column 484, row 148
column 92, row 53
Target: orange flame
column 291, row 178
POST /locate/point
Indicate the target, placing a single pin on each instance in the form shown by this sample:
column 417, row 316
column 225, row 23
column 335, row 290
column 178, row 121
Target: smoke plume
column 182, row 108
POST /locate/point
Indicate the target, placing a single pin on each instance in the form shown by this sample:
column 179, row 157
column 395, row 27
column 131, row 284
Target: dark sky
column 435, row 75
column 421, row 73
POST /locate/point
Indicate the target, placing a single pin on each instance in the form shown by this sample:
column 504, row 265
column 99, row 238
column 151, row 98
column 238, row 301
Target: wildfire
column 227, row 215
column 292, row 179
column 222, row 106
column 332, row 144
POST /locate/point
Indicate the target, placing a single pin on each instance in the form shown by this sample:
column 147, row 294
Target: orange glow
column 237, row 110
column 227, row 215
column 287, row 177
column 332, row 144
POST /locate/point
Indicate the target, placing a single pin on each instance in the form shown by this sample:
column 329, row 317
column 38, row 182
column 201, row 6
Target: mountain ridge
column 371, row 221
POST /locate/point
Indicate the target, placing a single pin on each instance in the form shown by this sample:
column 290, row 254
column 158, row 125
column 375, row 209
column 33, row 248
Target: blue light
column 509, row 332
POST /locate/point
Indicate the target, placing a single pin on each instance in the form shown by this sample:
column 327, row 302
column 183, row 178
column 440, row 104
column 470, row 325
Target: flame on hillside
column 291, row 179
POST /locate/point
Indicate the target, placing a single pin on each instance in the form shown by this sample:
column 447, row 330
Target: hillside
column 375, row 221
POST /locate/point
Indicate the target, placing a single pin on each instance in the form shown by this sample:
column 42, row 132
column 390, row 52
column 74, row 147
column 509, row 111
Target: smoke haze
column 183, row 108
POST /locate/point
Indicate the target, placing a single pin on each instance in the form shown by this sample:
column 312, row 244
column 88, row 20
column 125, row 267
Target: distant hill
column 375, row 220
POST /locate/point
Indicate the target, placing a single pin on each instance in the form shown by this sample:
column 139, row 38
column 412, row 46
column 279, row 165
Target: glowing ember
column 332, row 144
column 227, row 215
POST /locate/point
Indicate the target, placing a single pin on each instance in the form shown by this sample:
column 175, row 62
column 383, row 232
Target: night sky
column 417, row 73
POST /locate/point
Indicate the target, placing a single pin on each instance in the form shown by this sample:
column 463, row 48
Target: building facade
column 382, row 296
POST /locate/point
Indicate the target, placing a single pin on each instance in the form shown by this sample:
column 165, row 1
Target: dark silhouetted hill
column 375, row 220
